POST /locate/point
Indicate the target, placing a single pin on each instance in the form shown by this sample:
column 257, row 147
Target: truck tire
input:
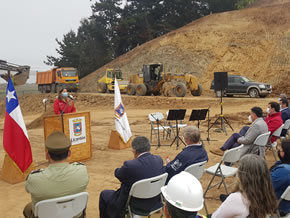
column 131, row 89
column 141, row 90
column 102, row 87
column 253, row 93
column 197, row 92
column 180, row 90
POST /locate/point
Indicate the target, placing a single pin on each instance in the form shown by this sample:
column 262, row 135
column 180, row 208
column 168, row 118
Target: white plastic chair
column 62, row 207
column 144, row 189
column 287, row 128
column 231, row 156
column 156, row 120
column 261, row 141
column 196, row 169
column 272, row 146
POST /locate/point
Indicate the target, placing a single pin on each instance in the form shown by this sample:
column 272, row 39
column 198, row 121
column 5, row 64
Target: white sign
column 77, row 130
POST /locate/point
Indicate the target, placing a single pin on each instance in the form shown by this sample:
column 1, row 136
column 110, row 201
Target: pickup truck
column 241, row 85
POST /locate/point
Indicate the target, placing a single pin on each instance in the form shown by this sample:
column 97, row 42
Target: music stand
column 176, row 115
column 198, row 115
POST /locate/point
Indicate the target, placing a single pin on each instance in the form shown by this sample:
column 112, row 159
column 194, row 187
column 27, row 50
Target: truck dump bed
column 47, row 77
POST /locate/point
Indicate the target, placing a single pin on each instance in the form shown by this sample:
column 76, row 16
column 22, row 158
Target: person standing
column 60, row 178
column 63, row 103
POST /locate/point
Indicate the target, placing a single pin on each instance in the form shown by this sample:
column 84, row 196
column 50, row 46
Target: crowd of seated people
column 256, row 194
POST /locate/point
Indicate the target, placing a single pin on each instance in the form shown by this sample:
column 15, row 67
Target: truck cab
column 107, row 82
column 67, row 77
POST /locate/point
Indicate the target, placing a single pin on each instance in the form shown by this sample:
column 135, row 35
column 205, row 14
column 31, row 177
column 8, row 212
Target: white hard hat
column 184, row 191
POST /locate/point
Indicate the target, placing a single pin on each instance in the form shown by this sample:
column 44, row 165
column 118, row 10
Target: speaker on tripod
column 220, row 86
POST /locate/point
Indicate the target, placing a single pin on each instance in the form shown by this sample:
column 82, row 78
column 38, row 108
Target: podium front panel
column 77, row 127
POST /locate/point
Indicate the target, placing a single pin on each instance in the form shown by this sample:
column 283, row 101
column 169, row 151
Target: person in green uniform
column 60, row 178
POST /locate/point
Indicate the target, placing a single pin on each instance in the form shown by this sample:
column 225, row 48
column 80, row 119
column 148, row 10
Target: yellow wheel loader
column 154, row 81
column 107, row 82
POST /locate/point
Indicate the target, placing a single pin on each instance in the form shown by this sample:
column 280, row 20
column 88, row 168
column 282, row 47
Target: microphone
column 71, row 97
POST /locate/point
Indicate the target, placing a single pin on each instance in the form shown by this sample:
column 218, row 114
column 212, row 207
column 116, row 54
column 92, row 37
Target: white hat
column 184, row 191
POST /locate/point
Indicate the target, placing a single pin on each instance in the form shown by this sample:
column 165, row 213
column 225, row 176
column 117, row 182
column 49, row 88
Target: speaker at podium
column 77, row 127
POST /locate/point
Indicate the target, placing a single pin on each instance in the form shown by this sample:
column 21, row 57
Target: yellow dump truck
column 57, row 79
column 154, row 81
column 106, row 83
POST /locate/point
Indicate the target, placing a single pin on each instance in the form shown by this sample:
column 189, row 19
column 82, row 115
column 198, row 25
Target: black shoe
column 223, row 197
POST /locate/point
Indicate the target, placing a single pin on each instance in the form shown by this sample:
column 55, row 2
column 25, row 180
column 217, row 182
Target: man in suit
column 285, row 113
column 246, row 136
column 144, row 165
column 194, row 152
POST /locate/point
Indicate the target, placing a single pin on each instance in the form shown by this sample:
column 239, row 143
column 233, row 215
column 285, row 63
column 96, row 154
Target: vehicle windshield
column 118, row 74
column 246, row 79
column 69, row 73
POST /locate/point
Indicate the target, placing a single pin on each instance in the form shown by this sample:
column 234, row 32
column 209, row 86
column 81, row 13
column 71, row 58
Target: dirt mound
column 38, row 122
column 254, row 42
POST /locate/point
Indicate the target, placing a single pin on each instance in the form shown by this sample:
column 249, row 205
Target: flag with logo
column 15, row 137
column 121, row 120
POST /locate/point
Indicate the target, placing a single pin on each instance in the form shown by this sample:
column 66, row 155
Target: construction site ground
column 104, row 161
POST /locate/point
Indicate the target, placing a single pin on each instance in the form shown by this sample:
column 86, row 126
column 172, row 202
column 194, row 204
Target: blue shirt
column 285, row 114
column 280, row 174
column 191, row 154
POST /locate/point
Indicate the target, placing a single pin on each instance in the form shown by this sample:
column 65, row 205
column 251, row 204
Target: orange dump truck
column 57, row 79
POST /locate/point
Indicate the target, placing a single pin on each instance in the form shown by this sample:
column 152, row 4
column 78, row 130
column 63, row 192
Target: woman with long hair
column 63, row 104
column 254, row 196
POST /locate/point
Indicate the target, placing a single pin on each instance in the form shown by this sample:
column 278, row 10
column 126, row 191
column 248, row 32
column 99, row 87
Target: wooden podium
column 77, row 127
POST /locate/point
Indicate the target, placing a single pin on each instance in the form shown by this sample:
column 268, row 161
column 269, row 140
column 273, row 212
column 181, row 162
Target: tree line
column 116, row 27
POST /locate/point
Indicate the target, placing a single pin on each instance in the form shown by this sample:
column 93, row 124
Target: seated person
column 60, row 178
column 183, row 196
column 145, row 165
column 194, row 152
column 254, row 195
column 285, row 113
column 280, row 173
column 273, row 120
column 247, row 136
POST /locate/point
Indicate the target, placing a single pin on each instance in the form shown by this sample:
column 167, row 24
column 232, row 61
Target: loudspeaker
column 220, row 81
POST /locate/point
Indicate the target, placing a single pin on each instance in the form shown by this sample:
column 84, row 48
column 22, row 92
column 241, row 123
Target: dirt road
column 104, row 161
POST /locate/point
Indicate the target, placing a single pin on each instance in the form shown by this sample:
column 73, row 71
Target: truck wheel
column 254, row 93
column 102, row 87
column 141, row 90
column 180, row 90
column 197, row 92
column 131, row 89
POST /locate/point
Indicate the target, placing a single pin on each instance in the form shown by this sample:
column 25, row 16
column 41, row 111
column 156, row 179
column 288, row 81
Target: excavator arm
column 21, row 75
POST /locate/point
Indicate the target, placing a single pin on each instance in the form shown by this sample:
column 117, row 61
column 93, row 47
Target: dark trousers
column 232, row 140
column 106, row 197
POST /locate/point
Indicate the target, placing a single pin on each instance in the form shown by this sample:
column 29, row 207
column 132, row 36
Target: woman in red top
column 63, row 103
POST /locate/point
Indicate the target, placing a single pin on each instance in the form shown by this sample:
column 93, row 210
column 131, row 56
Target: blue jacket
column 285, row 114
column 145, row 166
column 280, row 174
column 191, row 154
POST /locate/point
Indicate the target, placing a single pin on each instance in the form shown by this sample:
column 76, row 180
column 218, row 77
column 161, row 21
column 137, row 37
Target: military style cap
column 57, row 142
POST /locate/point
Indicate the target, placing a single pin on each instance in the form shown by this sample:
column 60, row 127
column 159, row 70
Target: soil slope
column 254, row 42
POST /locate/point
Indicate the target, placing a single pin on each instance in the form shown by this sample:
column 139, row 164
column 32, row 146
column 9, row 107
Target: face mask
column 64, row 94
column 268, row 110
column 250, row 119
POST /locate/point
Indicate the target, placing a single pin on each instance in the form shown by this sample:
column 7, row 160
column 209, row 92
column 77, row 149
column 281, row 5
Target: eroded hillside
column 253, row 42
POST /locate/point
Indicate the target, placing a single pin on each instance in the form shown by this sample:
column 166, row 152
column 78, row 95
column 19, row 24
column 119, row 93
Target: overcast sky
column 28, row 28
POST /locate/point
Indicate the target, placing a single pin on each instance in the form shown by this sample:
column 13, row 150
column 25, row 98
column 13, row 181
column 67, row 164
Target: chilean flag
column 15, row 137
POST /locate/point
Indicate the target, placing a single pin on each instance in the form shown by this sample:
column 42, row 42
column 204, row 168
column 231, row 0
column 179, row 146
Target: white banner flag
column 121, row 120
